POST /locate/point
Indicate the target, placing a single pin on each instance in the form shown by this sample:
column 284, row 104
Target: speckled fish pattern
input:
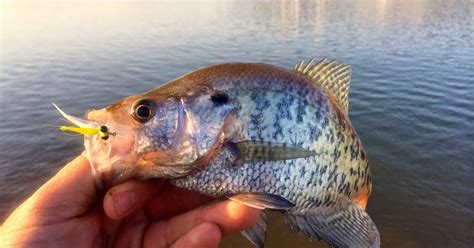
column 280, row 106
column 277, row 105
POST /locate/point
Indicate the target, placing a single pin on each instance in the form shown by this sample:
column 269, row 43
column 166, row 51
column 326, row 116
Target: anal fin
column 256, row 233
column 345, row 226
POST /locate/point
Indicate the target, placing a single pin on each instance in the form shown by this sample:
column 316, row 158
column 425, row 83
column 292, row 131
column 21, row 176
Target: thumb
column 71, row 191
column 66, row 195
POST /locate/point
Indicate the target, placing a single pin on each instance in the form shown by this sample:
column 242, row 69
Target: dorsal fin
column 332, row 76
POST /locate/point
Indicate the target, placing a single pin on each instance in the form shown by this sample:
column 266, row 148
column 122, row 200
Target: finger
column 228, row 215
column 169, row 202
column 125, row 198
column 130, row 233
column 204, row 235
column 69, row 193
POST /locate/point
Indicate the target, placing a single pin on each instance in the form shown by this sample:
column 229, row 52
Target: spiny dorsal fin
column 331, row 76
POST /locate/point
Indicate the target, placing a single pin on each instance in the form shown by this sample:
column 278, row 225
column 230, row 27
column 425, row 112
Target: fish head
column 157, row 134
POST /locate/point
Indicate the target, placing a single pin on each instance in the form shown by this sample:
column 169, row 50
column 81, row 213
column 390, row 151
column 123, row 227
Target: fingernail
column 124, row 202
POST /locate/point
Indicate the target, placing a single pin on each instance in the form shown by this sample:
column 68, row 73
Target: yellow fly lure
column 102, row 131
column 83, row 127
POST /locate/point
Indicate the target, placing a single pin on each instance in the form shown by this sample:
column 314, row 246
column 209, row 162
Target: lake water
column 411, row 98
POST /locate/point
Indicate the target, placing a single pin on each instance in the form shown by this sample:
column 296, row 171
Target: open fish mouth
column 107, row 147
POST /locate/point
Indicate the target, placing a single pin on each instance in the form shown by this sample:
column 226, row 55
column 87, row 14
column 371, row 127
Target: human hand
column 67, row 212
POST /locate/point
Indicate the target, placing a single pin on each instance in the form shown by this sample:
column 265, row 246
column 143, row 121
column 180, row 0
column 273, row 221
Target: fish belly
column 294, row 180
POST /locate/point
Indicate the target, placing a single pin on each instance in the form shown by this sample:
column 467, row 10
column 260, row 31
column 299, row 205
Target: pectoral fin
column 345, row 226
column 251, row 151
column 256, row 233
column 262, row 201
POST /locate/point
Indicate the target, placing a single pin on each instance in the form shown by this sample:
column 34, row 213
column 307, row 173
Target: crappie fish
column 261, row 135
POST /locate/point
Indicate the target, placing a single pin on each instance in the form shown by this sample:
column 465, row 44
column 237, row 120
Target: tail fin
column 345, row 226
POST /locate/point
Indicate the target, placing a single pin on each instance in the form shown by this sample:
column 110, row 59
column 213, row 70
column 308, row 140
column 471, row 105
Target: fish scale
column 286, row 175
column 283, row 115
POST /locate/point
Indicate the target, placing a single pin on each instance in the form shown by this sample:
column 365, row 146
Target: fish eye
column 219, row 98
column 143, row 110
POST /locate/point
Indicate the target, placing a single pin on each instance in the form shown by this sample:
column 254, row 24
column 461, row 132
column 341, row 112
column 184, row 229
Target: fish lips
column 111, row 160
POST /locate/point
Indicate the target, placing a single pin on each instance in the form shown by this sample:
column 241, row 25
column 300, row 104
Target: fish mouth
column 106, row 155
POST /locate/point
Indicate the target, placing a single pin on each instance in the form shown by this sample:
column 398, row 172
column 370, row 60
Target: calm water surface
column 411, row 99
